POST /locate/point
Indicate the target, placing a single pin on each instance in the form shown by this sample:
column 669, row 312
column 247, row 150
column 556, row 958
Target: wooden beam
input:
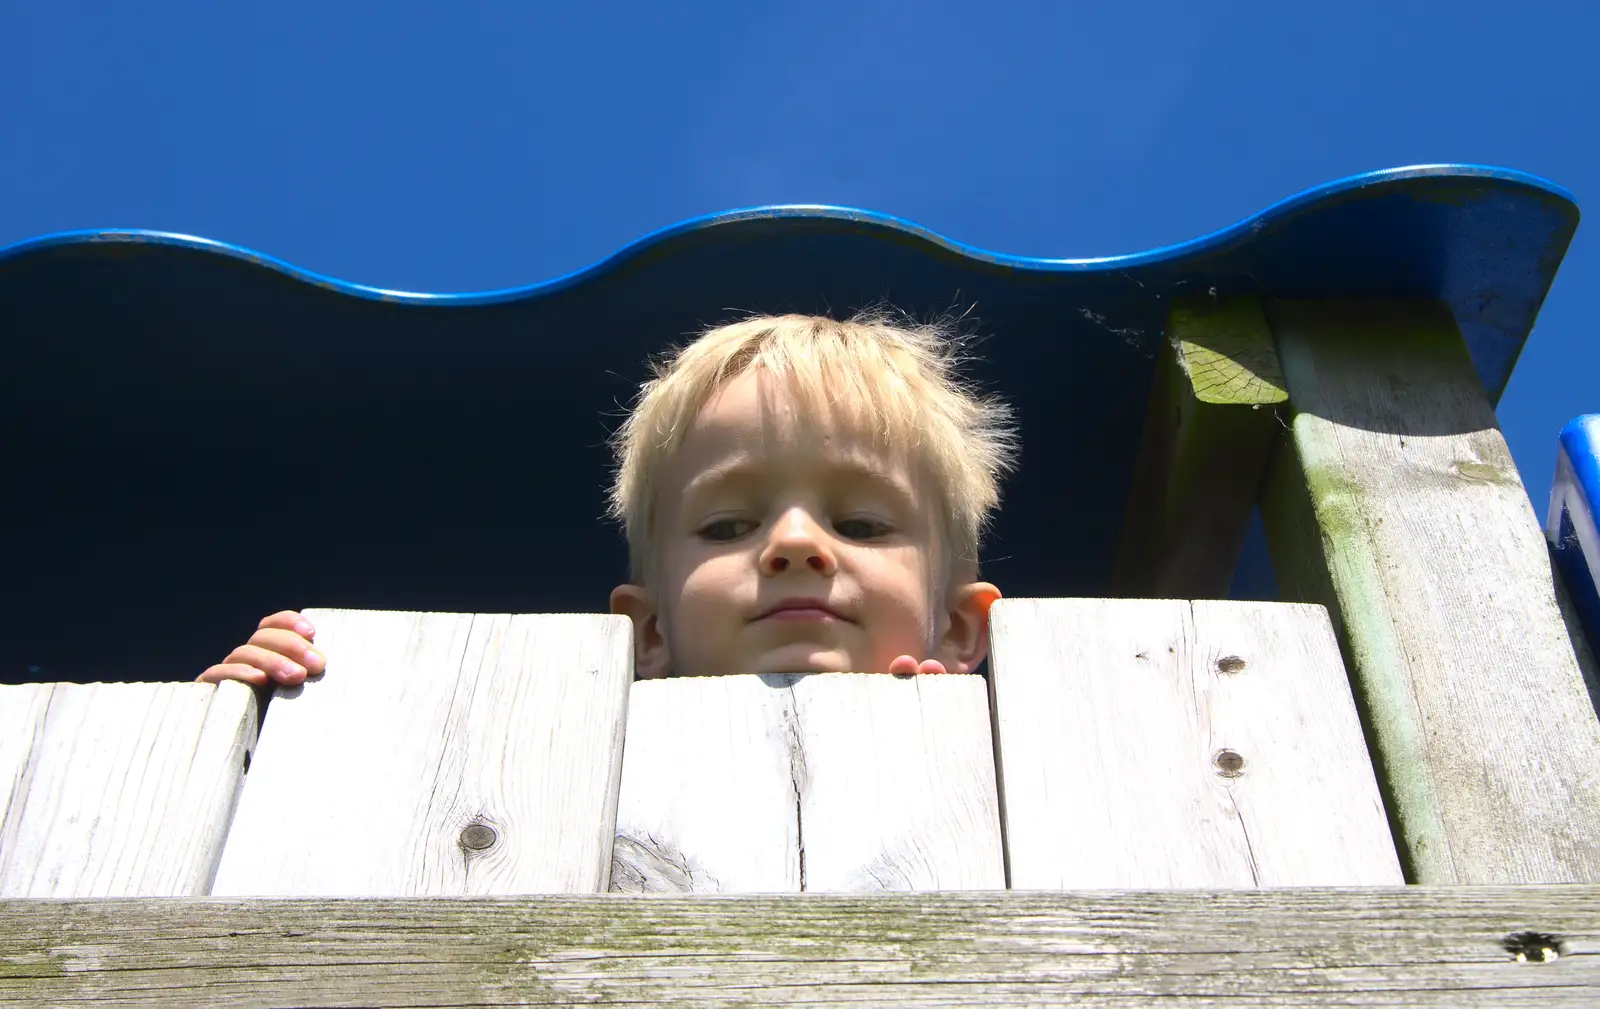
column 442, row 754
column 1209, row 431
column 119, row 789
column 1162, row 743
column 1417, row 947
column 1396, row 504
column 840, row 782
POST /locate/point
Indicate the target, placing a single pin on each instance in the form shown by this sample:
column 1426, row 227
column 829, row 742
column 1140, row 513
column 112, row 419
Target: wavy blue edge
column 812, row 211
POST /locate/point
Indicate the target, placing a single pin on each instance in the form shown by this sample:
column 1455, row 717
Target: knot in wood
column 1230, row 664
column 1228, row 763
column 478, row 836
column 1533, row 947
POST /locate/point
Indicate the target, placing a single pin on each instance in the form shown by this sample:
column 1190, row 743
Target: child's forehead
column 753, row 432
column 756, row 417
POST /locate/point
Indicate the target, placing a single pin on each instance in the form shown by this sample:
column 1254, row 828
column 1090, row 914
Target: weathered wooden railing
column 1175, row 785
column 1185, row 749
column 1138, row 744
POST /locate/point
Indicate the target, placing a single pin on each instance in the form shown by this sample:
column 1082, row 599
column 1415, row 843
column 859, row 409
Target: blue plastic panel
column 202, row 434
column 1570, row 524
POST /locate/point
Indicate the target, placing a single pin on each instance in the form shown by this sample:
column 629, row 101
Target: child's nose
column 815, row 561
column 797, row 540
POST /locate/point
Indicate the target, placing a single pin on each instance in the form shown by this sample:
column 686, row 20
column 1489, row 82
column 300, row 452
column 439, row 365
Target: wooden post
column 1396, row 503
column 1211, row 425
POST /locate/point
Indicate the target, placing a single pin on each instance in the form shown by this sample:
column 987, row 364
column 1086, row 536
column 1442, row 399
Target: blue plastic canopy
column 198, row 434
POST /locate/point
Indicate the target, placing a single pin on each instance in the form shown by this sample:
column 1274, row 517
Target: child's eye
column 861, row 529
column 726, row 529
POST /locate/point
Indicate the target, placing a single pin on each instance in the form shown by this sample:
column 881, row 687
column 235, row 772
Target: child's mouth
column 802, row 609
column 801, row 614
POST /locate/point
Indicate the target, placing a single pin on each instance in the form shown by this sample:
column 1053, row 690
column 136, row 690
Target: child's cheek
column 710, row 592
column 907, row 601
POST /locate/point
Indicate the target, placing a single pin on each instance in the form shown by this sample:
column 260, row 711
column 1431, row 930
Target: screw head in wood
column 478, row 836
column 1228, row 763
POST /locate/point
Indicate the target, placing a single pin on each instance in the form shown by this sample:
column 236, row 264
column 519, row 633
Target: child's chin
column 807, row 660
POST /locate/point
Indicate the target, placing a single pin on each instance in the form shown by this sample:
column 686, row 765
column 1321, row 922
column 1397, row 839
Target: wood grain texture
column 836, row 782
column 1209, row 431
column 1416, row 947
column 708, row 802
column 367, row 781
column 119, row 789
column 1399, row 507
column 1162, row 743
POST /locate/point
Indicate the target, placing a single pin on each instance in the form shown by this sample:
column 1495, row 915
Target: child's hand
column 279, row 652
column 905, row 665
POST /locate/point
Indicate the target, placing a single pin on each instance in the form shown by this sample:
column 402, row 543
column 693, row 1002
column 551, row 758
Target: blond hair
column 887, row 377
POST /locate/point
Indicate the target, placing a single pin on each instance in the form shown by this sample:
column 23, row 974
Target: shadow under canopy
column 196, row 435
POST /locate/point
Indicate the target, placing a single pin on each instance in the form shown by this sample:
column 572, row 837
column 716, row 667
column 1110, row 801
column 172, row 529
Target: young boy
column 799, row 495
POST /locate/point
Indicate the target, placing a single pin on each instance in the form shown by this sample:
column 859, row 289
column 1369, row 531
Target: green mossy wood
column 1394, row 502
column 1208, row 435
column 1445, row 947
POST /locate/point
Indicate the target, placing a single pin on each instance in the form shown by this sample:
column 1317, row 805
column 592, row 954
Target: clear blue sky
column 461, row 146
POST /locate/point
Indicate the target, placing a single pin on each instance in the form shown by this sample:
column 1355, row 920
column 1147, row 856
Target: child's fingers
column 233, row 671
column 279, row 668
column 289, row 620
column 905, row 665
column 290, row 645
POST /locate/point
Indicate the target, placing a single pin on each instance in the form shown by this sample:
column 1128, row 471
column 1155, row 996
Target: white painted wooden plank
column 441, row 754
column 1099, row 764
column 22, row 713
column 1277, row 695
column 899, row 784
column 1112, row 717
column 119, row 789
column 708, row 801
column 823, row 782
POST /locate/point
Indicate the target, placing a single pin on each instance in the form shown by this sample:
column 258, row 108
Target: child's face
column 783, row 545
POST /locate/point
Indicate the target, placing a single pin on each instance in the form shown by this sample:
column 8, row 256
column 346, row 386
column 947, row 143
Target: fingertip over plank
column 441, row 754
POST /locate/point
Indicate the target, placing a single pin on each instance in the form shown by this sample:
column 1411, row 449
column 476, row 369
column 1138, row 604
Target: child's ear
column 966, row 639
column 638, row 604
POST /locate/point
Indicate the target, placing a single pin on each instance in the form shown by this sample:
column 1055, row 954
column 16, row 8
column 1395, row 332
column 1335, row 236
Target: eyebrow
column 749, row 470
